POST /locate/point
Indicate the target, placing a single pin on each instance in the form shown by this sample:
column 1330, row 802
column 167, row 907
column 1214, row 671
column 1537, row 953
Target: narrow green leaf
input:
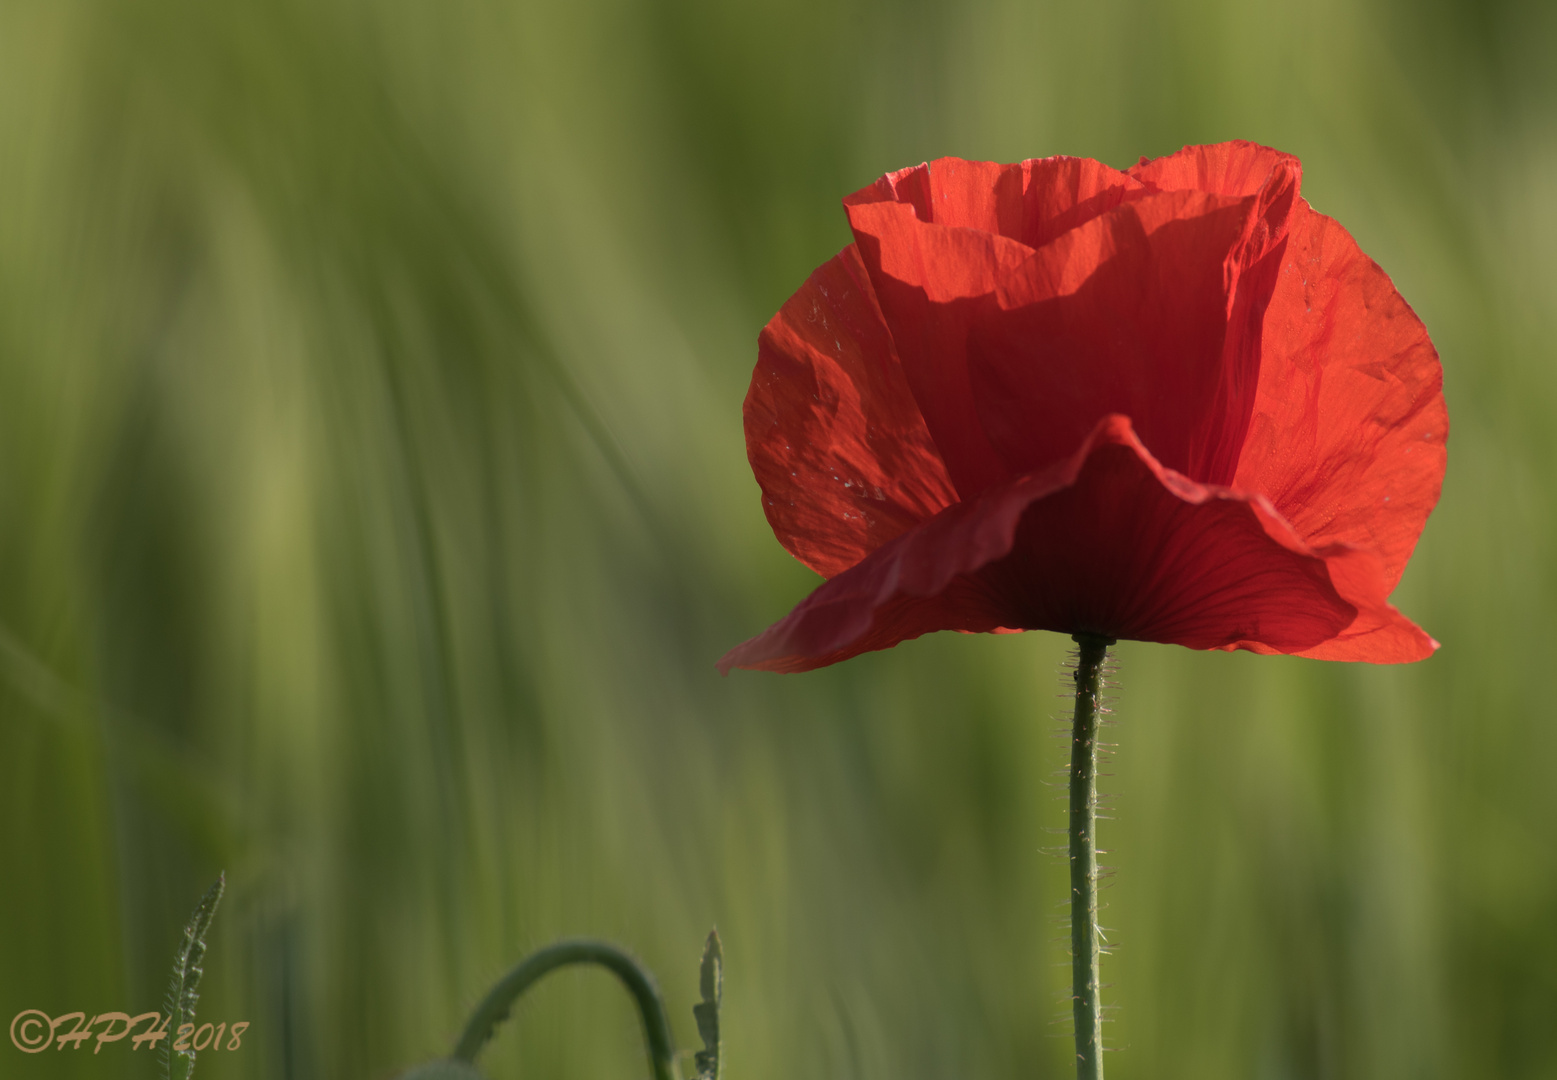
column 707, row 1011
column 184, row 988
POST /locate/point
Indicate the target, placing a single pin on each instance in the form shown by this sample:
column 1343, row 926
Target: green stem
column 1084, row 950
column 495, row 1007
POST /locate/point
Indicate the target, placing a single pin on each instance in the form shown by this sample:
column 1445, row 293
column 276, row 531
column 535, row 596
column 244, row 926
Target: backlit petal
column 937, row 237
column 1348, row 433
column 1031, row 202
column 1108, row 541
column 834, row 437
column 1130, row 313
column 1234, row 168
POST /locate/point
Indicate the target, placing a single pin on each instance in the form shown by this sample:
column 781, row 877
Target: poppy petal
column 1130, row 313
column 1151, row 309
column 1379, row 634
column 1031, row 202
column 1108, row 540
column 1236, row 168
column 965, row 219
column 837, row 444
column 1349, row 428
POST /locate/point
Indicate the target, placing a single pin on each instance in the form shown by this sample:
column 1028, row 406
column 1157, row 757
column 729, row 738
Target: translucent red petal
column 1107, row 541
column 1349, row 430
column 833, row 435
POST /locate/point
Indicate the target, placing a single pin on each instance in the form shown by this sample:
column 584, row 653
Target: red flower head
column 1170, row 404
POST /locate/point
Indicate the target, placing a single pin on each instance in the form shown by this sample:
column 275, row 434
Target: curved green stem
column 495, row 1007
column 1084, row 950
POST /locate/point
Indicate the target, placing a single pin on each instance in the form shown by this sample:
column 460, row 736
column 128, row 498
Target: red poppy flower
column 1170, row 404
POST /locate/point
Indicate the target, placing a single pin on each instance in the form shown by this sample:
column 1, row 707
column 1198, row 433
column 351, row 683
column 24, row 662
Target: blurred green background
column 373, row 507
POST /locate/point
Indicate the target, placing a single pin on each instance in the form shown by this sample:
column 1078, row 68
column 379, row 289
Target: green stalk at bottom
column 500, row 1000
column 1086, row 1006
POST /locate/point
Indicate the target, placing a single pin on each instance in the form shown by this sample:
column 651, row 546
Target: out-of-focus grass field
column 373, row 507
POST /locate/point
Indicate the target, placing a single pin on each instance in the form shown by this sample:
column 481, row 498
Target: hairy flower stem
column 495, row 1007
column 1084, row 949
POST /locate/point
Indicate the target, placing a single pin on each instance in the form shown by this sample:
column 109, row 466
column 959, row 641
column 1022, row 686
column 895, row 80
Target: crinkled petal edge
column 926, row 579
